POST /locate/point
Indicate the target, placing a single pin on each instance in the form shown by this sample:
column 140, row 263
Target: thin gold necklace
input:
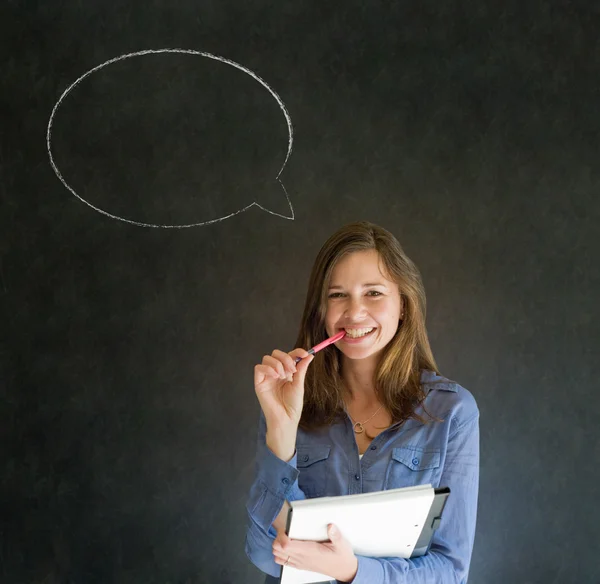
column 358, row 426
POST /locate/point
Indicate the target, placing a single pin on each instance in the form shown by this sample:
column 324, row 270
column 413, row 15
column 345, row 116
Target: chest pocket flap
column 308, row 455
column 417, row 458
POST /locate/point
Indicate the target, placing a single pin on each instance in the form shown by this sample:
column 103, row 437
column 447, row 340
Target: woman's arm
column 281, row 519
column 275, row 483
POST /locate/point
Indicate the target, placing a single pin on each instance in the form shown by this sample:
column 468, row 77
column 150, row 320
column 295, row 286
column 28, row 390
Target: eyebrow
column 364, row 285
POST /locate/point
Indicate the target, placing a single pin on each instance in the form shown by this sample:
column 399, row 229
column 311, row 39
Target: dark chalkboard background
column 128, row 413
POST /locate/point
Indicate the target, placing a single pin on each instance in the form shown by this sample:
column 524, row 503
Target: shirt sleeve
column 275, row 481
column 449, row 556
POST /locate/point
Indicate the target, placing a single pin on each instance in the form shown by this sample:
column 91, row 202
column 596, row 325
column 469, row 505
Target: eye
column 374, row 293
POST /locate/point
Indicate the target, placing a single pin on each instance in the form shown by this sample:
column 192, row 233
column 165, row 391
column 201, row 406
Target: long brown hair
column 397, row 377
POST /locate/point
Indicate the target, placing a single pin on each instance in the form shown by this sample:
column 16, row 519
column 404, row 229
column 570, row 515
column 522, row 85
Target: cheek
column 388, row 316
column 332, row 316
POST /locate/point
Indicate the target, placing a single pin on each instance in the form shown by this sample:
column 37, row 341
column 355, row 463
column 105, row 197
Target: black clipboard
column 432, row 523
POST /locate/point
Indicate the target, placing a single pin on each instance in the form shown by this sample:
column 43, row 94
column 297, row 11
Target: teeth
column 355, row 333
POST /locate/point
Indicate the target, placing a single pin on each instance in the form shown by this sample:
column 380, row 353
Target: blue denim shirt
column 327, row 463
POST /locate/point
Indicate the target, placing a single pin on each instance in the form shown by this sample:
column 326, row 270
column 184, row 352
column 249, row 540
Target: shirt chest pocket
column 312, row 462
column 410, row 466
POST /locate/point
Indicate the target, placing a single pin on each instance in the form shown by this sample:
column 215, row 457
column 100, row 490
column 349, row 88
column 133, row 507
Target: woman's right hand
column 279, row 386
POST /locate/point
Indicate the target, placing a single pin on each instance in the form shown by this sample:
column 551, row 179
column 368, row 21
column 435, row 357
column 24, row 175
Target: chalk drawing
column 187, row 52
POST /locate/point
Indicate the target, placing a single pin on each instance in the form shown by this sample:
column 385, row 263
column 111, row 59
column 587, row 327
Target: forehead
column 359, row 267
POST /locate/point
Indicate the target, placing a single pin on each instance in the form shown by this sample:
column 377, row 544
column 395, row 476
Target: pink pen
column 324, row 344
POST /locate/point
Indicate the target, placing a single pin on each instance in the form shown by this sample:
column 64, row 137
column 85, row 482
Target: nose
column 354, row 309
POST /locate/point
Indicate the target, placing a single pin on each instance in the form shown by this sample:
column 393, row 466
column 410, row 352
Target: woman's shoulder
column 447, row 398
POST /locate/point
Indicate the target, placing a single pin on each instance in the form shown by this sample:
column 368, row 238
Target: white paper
column 380, row 524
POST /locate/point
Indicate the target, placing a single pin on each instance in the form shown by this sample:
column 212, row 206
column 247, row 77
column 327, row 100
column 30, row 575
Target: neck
column 358, row 377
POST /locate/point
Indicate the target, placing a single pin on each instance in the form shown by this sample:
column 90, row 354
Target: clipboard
column 399, row 523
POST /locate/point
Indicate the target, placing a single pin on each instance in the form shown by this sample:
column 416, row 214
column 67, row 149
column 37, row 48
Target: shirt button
column 285, row 481
column 305, row 457
column 373, row 447
column 415, row 461
column 357, row 477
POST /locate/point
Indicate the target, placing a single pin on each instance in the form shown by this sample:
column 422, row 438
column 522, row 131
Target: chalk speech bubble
column 188, row 52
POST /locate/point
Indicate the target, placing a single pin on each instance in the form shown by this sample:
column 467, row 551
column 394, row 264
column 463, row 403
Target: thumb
column 333, row 532
column 302, row 367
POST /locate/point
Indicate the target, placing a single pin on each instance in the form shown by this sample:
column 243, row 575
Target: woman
column 371, row 413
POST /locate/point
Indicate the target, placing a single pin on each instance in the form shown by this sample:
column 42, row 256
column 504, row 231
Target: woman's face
column 361, row 299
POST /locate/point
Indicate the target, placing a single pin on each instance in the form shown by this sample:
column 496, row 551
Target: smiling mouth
column 357, row 333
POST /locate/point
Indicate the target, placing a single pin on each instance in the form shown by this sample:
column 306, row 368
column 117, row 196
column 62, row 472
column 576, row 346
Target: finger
column 285, row 562
column 286, row 360
column 281, row 555
column 276, row 364
column 302, row 353
column 302, row 367
column 267, row 371
column 261, row 372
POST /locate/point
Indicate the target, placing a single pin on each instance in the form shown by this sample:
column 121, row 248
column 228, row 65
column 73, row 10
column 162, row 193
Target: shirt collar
column 431, row 380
